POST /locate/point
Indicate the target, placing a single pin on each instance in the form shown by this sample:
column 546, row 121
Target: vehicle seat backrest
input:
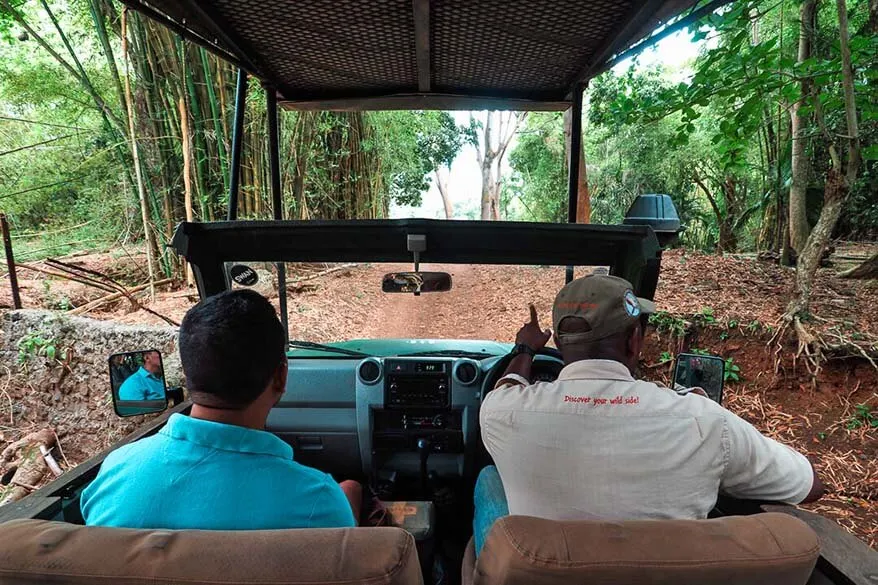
column 36, row 551
column 769, row 549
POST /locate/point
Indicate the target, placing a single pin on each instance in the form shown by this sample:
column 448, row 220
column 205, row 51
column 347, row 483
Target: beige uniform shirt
column 597, row 444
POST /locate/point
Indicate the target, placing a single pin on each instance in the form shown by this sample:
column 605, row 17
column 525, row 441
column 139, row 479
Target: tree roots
column 817, row 344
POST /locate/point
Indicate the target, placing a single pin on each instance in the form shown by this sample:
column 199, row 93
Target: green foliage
column 38, row 345
column 699, row 351
column 863, row 416
column 664, row 322
column 706, row 316
column 732, row 372
column 411, row 145
column 723, row 148
column 666, row 357
column 539, row 178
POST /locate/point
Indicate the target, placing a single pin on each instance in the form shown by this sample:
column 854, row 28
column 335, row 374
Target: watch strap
column 523, row 348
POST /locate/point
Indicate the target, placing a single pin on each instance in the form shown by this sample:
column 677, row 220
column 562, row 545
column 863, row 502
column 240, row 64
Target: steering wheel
column 497, row 370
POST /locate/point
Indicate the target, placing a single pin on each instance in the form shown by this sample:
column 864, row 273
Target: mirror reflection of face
column 136, row 378
column 152, row 362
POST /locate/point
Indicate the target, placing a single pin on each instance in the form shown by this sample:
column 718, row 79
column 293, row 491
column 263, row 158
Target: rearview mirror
column 416, row 282
column 701, row 371
column 137, row 381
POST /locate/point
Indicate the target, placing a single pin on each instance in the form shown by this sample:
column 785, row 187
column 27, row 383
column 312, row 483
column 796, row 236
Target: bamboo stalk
column 216, row 114
column 141, row 190
column 187, row 180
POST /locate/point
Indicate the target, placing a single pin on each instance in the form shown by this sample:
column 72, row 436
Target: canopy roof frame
column 422, row 54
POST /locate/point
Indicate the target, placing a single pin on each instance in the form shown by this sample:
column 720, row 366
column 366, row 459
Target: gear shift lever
column 424, row 448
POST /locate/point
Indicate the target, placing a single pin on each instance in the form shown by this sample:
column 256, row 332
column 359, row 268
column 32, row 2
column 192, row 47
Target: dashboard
column 363, row 417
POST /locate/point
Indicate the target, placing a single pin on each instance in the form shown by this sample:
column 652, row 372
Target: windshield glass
column 328, row 303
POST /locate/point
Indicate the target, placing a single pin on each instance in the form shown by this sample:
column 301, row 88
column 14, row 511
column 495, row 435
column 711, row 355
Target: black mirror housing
column 137, row 382
column 701, row 371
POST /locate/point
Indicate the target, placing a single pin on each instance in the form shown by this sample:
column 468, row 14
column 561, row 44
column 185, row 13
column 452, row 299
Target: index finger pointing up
column 533, row 314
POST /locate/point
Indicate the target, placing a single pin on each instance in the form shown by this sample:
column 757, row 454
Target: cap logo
column 632, row 305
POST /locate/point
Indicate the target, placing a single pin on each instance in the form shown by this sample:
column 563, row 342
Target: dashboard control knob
column 442, row 387
column 394, row 387
column 439, row 421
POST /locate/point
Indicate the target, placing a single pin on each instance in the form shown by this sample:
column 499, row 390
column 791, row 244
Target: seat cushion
column 770, row 549
column 36, row 551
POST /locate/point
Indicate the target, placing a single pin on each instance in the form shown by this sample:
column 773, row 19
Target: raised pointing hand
column 531, row 335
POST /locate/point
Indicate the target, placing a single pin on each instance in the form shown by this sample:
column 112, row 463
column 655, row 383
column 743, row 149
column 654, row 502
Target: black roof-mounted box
column 658, row 212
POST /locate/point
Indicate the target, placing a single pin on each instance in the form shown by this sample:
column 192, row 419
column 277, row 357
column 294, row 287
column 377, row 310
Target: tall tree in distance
column 800, row 164
column 439, row 142
column 497, row 133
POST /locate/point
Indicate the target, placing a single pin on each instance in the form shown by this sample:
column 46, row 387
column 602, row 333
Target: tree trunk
column 487, row 179
column 800, row 163
column 486, row 160
column 442, row 185
column 868, row 269
column 809, row 259
column 838, row 180
column 583, row 197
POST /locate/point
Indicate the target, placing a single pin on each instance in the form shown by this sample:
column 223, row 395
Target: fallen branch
column 29, row 488
column 92, row 305
column 86, row 282
column 45, row 436
column 31, row 468
column 70, row 268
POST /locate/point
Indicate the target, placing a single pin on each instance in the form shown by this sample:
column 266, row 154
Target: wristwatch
column 521, row 348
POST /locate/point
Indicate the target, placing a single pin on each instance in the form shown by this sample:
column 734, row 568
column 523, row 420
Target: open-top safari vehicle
column 401, row 415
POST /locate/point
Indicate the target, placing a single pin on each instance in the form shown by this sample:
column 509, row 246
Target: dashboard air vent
column 466, row 372
column 369, row 371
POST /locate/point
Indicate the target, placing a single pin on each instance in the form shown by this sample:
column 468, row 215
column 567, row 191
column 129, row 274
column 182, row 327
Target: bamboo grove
column 169, row 105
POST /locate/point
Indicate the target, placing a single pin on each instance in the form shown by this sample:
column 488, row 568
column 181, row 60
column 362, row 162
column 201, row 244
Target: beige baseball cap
column 607, row 303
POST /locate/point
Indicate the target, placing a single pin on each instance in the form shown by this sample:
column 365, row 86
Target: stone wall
column 71, row 394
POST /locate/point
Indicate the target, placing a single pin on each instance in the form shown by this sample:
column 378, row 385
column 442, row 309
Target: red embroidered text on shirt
column 618, row 400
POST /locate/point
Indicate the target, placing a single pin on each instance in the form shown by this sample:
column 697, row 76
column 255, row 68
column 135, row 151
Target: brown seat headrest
column 36, row 551
column 770, row 549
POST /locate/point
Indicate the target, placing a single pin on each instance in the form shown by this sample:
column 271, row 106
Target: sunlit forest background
column 744, row 140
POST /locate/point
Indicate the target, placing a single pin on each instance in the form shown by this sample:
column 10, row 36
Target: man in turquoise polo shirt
column 218, row 468
column 147, row 382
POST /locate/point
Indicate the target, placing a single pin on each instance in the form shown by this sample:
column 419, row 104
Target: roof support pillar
column 237, row 145
column 573, row 160
column 422, row 43
column 276, row 195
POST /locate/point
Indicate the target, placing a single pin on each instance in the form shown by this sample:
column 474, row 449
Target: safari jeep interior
column 401, row 415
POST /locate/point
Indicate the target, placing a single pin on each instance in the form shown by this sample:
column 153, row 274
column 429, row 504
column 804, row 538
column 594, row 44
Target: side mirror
column 702, row 371
column 416, row 282
column 137, row 381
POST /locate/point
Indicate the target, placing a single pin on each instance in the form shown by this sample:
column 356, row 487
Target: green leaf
column 870, row 152
column 50, row 352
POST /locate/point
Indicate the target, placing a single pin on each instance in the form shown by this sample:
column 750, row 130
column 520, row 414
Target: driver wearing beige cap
column 598, row 444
